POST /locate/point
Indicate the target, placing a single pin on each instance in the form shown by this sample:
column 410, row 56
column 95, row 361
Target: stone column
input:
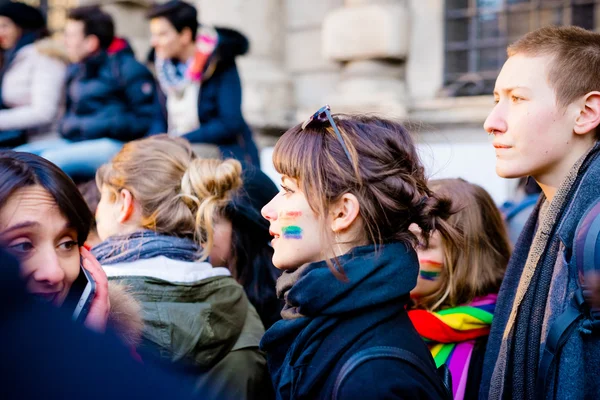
column 314, row 77
column 371, row 39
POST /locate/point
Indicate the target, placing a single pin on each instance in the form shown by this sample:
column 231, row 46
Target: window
column 55, row 11
column 477, row 33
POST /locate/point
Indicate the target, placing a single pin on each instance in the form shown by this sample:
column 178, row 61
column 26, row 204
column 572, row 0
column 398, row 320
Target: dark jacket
column 578, row 364
column 52, row 357
column 219, row 103
column 339, row 319
column 108, row 96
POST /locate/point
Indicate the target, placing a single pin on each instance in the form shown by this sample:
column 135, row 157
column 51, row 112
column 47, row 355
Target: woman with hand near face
column 351, row 187
column 44, row 222
column 455, row 296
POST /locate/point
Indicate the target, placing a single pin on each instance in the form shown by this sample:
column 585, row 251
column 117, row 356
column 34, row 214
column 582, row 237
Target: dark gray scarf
column 143, row 245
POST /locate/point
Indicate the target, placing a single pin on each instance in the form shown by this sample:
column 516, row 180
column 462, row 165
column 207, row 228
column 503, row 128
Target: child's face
column 532, row 136
column 294, row 226
column 431, row 263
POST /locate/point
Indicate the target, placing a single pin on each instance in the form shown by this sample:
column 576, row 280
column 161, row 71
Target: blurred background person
column 109, row 97
column 517, row 210
column 199, row 88
column 243, row 244
column 32, row 75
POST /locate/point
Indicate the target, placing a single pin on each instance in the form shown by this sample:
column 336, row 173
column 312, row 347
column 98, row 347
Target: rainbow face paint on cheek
column 292, row 232
column 429, row 275
column 290, row 215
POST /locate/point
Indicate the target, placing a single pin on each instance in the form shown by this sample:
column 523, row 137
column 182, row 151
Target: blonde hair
column 475, row 265
column 179, row 194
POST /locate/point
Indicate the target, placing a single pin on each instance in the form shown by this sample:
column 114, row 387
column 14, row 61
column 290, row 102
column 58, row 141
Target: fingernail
column 87, row 246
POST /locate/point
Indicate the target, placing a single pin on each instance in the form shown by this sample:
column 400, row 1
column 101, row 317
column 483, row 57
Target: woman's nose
column 48, row 269
column 268, row 212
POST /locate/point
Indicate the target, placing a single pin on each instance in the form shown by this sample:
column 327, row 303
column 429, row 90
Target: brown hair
column 179, row 194
column 575, row 68
column 475, row 267
column 385, row 175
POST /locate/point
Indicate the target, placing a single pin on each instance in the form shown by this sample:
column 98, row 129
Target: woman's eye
column 69, row 245
column 516, row 99
column 286, row 189
column 22, row 247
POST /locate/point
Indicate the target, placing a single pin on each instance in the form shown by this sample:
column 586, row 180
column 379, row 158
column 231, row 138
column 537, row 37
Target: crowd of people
column 76, row 104
column 358, row 279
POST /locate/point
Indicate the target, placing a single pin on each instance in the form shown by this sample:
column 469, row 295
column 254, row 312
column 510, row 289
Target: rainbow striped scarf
column 451, row 335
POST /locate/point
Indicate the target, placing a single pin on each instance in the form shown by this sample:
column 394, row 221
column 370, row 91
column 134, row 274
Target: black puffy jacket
column 108, row 95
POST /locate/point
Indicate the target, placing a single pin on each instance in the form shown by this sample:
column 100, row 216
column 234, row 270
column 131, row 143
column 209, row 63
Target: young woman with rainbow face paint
column 351, row 187
column 455, row 296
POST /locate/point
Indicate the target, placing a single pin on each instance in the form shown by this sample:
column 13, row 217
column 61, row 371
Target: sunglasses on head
column 323, row 115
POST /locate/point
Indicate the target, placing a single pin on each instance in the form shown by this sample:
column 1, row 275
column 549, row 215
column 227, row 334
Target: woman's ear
column 127, row 206
column 344, row 212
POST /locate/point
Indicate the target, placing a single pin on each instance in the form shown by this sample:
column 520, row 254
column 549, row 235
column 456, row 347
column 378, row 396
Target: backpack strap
column 587, row 259
column 380, row 352
column 515, row 209
column 560, row 331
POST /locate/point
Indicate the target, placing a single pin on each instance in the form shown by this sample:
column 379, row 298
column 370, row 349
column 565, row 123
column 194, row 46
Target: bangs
column 297, row 152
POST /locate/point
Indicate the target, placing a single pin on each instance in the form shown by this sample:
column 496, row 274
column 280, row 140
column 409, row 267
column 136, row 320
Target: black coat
column 306, row 354
column 108, row 96
column 219, row 104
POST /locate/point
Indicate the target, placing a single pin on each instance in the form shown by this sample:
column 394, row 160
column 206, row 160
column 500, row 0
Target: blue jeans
column 75, row 158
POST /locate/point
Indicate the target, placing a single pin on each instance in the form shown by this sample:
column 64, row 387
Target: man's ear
column 589, row 117
column 92, row 44
column 344, row 212
column 127, row 206
column 186, row 34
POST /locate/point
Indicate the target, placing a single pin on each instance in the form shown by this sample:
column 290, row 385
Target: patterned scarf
column 174, row 76
column 451, row 335
column 143, row 245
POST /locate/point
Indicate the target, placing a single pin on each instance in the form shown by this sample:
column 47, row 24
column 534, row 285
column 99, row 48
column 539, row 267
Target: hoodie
column 338, row 319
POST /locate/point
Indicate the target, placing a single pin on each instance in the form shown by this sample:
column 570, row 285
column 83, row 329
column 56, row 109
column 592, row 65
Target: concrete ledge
column 471, row 110
column 365, row 32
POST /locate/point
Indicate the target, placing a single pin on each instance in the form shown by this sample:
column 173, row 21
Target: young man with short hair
column 199, row 88
column 545, row 125
column 109, row 96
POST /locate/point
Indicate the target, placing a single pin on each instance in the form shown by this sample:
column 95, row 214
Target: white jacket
column 33, row 87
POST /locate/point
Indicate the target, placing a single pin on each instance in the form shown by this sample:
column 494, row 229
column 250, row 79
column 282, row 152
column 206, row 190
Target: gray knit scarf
column 518, row 358
column 283, row 286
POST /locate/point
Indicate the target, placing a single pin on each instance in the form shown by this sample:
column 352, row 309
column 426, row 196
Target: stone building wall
column 379, row 56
